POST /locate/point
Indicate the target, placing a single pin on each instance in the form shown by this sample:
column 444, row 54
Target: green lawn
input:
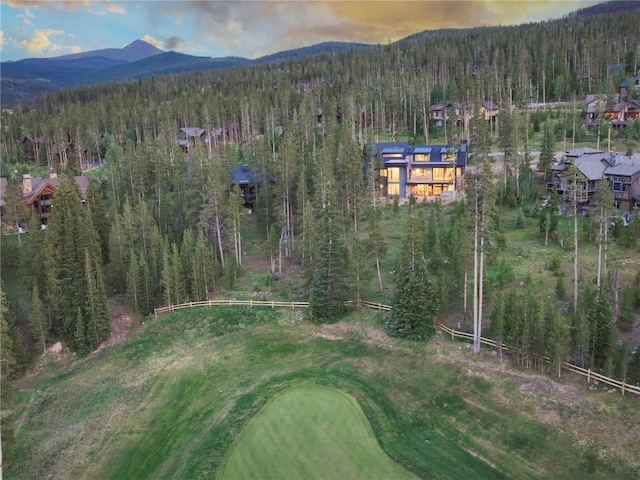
column 187, row 396
column 310, row 432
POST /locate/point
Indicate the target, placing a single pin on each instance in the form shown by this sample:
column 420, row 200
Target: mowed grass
column 310, row 432
column 171, row 403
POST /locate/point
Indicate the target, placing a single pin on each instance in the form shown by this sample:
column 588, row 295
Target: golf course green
column 310, row 432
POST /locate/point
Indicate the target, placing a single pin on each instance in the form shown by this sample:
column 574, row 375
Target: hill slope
column 170, row 403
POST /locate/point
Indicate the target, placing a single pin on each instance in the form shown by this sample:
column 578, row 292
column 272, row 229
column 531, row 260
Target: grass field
column 171, row 402
column 310, row 432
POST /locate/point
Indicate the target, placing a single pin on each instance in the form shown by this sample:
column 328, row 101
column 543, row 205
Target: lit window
column 443, row 174
column 393, row 189
column 383, row 172
column 393, row 174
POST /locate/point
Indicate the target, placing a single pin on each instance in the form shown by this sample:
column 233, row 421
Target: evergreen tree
column 97, row 313
column 331, row 283
column 547, row 150
column 98, row 213
column 32, row 256
column 415, row 297
column 8, row 364
column 559, row 342
column 38, row 322
column 73, row 266
column 603, row 203
column 601, row 329
column 361, row 268
column 376, row 241
column 14, row 211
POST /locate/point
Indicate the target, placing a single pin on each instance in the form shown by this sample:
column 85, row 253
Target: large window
column 393, row 174
column 421, row 157
column 443, row 174
column 420, row 172
column 393, row 189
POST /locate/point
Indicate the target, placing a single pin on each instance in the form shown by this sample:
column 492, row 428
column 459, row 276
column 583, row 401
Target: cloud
column 243, row 27
column 26, row 18
column 153, row 41
column 2, row 40
column 174, row 43
column 41, row 44
column 108, row 6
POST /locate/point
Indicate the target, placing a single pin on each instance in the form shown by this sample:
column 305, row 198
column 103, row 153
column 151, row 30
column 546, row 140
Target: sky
column 36, row 28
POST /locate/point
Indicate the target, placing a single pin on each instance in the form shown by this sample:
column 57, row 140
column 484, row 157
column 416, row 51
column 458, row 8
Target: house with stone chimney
column 38, row 193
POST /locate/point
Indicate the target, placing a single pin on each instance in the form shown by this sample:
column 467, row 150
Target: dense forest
column 159, row 226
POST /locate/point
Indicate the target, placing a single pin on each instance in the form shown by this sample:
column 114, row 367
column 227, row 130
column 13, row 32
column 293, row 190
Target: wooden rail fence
column 585, row 372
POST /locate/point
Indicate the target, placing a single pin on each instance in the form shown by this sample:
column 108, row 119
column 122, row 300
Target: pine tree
column 97, row 313
column 14, row 211
column 331, row 283
column 64, row 262
column 547, row 156
column 98, row 213
column 415, row 297
column 603, row 203
column 559, row 341
column 38, row 321
column 361, row 268
column 601, row 329
column 73, row 266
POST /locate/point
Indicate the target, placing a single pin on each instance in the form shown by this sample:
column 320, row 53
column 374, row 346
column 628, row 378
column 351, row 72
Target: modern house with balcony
column 423, row 171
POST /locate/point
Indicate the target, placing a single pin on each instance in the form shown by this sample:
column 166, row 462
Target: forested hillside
column 166, row 227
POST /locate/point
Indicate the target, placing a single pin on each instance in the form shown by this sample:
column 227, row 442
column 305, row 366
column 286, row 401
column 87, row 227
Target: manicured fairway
column 310, row 432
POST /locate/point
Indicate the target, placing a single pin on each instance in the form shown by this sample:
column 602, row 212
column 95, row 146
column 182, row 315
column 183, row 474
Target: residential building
column 462, row 113
column 623, row 112
column 596, row 105
column 249, row 181
column 621, row 172
column 629, row 84
column 38, row 193
column 419, row 170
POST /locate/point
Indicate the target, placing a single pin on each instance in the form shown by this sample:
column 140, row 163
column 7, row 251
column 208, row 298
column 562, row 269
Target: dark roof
column 627, row 82
column 376, row 148
column 435, row 152
column 244, row 175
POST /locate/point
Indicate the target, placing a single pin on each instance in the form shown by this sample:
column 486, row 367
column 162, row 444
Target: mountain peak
column 141, row 46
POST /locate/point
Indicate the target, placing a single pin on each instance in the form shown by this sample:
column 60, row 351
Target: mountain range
column 29, row 77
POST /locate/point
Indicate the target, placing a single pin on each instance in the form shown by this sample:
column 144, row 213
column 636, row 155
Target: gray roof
column 592, row 166
column 579, row 152
column 624, row 166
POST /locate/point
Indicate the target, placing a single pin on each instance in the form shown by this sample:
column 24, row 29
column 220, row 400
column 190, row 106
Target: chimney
column 26, row 184
column 52, row 173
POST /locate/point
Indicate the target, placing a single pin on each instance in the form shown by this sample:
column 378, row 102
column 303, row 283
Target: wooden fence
column 590, row 375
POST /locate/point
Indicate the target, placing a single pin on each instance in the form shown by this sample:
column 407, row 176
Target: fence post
column 251, row 302
column 272, row 305
column 293, row 305
column 623, row 388
column 588, row 375
column 453, row 334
